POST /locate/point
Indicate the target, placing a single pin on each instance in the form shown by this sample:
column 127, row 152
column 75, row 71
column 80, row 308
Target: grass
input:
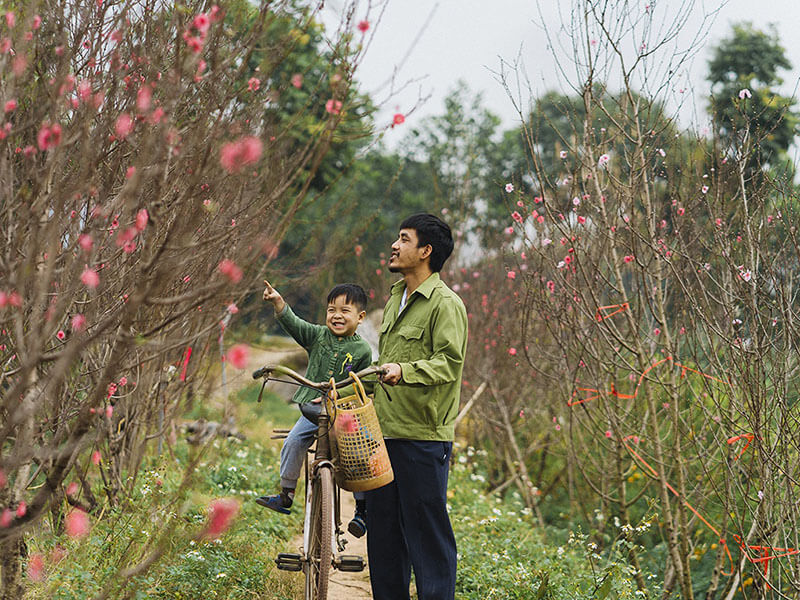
column 502, row 552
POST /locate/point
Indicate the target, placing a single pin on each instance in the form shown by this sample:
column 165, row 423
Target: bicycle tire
column 320, row 551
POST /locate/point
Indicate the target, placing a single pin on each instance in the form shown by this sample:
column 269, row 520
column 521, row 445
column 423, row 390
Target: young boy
column 334, row 349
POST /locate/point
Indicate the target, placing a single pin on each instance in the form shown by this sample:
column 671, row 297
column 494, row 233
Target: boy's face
column 343, row 318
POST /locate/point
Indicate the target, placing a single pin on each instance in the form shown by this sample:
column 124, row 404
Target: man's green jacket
column 429, row 340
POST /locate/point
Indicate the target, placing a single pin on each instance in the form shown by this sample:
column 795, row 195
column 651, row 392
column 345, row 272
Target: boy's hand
column 393, row 373
column 272, row 295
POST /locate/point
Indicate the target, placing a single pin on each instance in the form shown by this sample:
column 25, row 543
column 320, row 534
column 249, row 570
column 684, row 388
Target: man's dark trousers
column 408, row 525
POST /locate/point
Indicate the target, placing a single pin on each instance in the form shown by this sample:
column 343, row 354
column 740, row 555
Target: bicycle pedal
column 349, row 563
column 289, row 562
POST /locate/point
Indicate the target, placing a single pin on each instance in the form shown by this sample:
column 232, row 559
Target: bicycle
column 322, row 531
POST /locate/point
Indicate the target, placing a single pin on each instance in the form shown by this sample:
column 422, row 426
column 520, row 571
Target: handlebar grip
column 260, row 372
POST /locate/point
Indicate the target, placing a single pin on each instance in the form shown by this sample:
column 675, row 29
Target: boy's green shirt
column 328, row 355
column 429, row 341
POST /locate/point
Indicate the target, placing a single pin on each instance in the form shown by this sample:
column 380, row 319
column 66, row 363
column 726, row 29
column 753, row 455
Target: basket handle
column 359, row 389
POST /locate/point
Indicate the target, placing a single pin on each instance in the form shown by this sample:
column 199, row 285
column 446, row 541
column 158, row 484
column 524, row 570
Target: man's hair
column 432, row 230
column 353, row 294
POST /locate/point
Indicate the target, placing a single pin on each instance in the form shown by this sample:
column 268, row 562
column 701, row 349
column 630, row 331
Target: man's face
column 406, row 255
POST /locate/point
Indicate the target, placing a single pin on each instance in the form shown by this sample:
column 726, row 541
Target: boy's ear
column 361, row 316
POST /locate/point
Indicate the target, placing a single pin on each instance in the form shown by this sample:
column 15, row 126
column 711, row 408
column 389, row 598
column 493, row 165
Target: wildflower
column 398, row 119
column 238, row 356
column 333, row 106
column 745, row 274
column 680, row 211
column 61, row 335
column 11, row 19
column 603, row 160
column 546, row 242
column 297, row 80
column 22, row 508
column 516, row 216
column 230, row 270
column 123, row 381
column 656, row 331
column 509, row 230
column 6, row 517
column 509, row 187
column 72, row 488
column 96, row 457
column 358, row 250
column 512, row 275
column 76, row 523
column 253, row 84
column 704, row 189
column 220, row 516
column 363, row 26
column 551, row 286
column 90, row 278
column 10, row 105
column 563, row 154
column 232, row 308
column 608, row 433
column 512, row 351
column 661, row 152
column 628, row 258
column 37, row 22
column 745, row 93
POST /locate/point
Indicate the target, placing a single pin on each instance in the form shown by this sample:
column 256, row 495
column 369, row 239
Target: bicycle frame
column 322, row 517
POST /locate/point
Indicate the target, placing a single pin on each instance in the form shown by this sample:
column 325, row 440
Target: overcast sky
column 431, row 44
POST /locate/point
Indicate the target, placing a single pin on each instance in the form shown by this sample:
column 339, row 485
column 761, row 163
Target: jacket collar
column 425, row 288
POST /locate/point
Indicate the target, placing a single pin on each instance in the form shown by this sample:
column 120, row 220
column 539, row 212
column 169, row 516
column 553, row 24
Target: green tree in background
column 743, row 73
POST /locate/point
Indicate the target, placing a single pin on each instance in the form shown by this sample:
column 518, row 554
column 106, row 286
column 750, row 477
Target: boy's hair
column 432, row 230
column 353, row 294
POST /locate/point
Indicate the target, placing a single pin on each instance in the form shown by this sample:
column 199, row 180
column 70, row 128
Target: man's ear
column 427, row 250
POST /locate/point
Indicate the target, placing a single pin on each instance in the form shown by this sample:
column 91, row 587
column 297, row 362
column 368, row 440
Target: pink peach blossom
column 221, row 514
column 333, row 106
column 76, row 523
column 230, row 270
column 78, row 322
column 36, row 567
column 90, row 278
column 142, row 218
column 124, row 126
column 238, row 356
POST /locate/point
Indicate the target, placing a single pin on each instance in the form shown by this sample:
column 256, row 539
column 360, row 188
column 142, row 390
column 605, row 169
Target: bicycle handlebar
column 322, row 386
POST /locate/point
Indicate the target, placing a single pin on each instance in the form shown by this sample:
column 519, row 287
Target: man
column 422, row 345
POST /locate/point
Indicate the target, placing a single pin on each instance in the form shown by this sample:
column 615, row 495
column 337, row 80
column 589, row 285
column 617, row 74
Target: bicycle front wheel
column 320, row 548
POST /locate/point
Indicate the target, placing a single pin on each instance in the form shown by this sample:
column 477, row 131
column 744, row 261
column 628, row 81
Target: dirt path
column 343, row 586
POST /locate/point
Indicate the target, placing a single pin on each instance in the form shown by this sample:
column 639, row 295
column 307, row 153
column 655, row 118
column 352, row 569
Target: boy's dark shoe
column 279, row 503
column 357, row 526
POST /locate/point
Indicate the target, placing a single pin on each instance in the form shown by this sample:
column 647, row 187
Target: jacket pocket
column 410, row 345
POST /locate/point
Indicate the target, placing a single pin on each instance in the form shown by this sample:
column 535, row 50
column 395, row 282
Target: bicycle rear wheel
column 320, row 547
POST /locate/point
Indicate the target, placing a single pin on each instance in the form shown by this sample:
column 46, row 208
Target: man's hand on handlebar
column 392, row 373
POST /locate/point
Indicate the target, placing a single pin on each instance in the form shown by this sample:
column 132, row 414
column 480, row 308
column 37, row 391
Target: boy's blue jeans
column 294, row 450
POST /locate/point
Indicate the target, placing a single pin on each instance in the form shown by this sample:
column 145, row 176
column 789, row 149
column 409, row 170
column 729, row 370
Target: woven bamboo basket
column 363, row 462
